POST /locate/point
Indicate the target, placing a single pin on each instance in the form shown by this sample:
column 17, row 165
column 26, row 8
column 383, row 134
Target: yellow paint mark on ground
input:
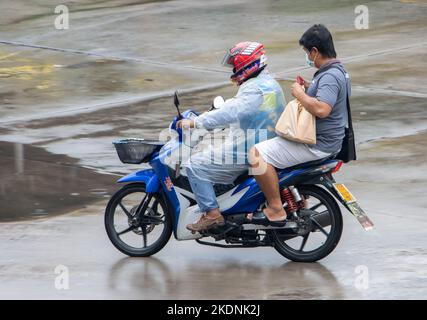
column 42, row 86
column 414, row 1
column 3, row 57
column 25, row 72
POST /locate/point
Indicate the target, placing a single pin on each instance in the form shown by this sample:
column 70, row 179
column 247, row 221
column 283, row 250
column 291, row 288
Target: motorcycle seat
column 308, row 164
column 245, row 175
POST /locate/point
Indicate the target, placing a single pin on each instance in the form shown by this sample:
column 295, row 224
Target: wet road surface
column 36, row 183
column 66, row 95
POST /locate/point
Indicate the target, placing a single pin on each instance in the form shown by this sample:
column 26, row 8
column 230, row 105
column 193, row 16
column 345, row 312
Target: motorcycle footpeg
column 220, row 229
column 257, row 218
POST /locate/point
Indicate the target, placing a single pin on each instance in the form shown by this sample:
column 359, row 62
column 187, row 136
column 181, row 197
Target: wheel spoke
column 155, row 205
column 317, row 213
column 144, row 235
column 304, row 241
column 316, row 206
column 129, row 215
column 125, row 231
column 144, row 204
column 151, row 219
column 319, row 226
column 314, row 215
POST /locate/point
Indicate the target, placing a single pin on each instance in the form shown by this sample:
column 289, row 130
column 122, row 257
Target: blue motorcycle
column 158, row 201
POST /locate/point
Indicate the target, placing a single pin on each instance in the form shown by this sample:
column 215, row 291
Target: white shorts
column 282, row 153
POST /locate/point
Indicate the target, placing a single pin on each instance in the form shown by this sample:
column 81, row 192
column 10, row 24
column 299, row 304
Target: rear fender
column 328, row 181
column 148, row 177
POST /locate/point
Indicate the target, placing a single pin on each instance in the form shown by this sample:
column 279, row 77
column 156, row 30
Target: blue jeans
column 203, row 191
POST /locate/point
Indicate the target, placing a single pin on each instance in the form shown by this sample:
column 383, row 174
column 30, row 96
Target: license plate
column 344, row 193
column 353, row 206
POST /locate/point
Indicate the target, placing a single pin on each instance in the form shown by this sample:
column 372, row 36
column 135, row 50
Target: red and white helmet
column 245, row 58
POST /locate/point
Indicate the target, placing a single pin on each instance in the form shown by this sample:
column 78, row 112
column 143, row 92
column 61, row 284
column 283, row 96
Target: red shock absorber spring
column 288, row 197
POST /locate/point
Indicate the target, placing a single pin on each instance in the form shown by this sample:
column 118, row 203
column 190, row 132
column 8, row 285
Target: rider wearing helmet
column 247, row 59
column 250, row 117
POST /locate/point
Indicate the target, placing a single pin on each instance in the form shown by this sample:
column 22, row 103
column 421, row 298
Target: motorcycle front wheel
column 137, row 223
column 320, row 240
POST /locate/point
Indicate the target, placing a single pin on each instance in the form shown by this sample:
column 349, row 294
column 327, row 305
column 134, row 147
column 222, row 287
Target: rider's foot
column 206, row 222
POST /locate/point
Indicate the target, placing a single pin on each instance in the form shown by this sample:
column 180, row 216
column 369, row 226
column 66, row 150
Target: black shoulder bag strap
column 348, row 147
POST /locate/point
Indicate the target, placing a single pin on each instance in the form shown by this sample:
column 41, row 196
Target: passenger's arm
column 326, row 96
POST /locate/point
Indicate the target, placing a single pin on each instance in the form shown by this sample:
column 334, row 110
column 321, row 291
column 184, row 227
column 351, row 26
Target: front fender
column 147, row 176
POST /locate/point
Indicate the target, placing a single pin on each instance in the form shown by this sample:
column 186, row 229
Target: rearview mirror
column 217, row 103
column 176, row 102
column 176, row 99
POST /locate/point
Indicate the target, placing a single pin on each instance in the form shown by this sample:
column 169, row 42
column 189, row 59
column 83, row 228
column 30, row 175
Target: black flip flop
column 260, row 218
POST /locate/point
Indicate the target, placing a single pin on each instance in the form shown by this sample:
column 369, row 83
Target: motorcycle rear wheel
column 281, row 241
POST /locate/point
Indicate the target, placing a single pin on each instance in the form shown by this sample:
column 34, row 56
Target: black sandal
column 259, row 217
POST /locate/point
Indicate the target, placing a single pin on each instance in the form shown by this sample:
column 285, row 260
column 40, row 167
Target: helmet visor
column 228, row 59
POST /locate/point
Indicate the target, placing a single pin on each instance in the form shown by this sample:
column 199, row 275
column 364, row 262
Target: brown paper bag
column 297, row 124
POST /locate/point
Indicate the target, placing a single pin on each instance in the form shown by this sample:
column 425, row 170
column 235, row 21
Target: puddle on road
column 35, row 183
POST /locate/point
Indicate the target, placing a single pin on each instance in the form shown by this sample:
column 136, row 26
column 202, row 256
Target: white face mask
column 308, row 61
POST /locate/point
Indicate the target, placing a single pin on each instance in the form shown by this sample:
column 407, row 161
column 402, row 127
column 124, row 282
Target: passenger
column 325, row 98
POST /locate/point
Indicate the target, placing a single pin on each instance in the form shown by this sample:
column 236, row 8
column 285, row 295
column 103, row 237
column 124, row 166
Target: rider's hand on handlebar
column 185, row 124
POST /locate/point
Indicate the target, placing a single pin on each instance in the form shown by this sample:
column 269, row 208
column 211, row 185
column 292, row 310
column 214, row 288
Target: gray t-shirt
column 331, row 87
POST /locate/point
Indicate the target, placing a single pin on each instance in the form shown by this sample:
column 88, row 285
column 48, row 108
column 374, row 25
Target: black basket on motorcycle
column 136, row 151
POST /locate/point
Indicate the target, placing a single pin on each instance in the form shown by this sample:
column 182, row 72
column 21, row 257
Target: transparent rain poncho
column 230, row 132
